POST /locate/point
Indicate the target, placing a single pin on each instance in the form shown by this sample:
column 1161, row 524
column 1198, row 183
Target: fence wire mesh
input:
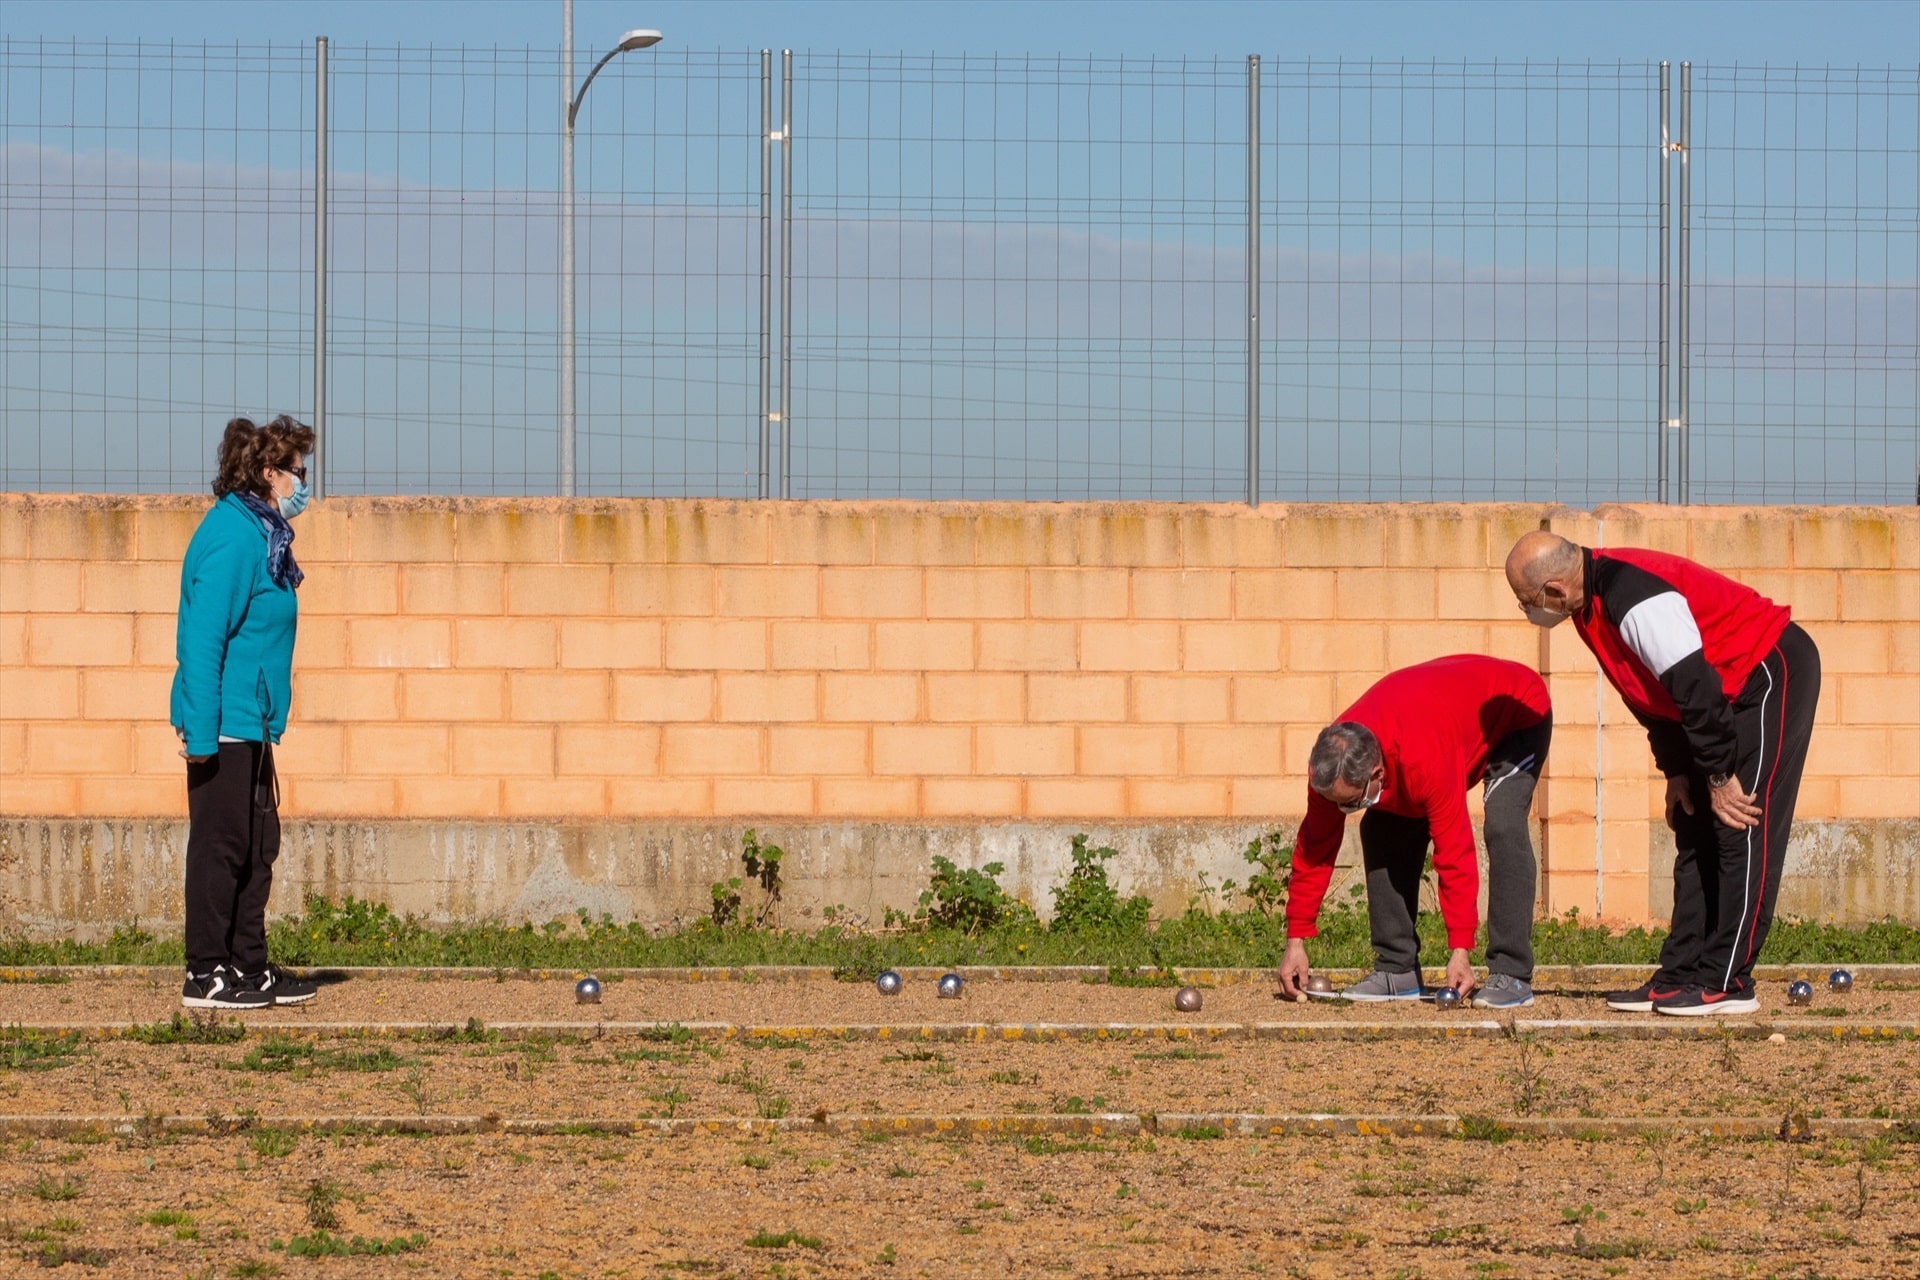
column 1465, row 270
column 156, row 209
column 445, row 285
column 1009, row 277
column 1019, row 278
column 1806, row 344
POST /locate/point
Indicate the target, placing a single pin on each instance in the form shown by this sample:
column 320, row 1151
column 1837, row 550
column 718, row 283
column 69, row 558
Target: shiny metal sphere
column 888, row 983
column 587, row 990
column 950, row 985
column 1447, row 998
column 1320, row 982
column 1187, row 1000
column 1799, row 991
column 1840, row 982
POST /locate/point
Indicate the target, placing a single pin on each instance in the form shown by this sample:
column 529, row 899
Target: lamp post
column 630, row 41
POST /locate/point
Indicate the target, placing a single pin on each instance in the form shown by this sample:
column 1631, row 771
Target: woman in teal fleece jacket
column 231, row 690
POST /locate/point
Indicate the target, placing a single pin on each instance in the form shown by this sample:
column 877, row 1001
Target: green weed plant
column 28, row 1049
column 965, row 916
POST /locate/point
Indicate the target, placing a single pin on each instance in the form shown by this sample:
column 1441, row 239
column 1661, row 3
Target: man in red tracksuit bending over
column 1726, row 684
column 1404, row 755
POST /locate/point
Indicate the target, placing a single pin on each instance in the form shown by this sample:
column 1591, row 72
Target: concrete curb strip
column 1193, row 1125
column 1582, row 977
column 1443, row 1027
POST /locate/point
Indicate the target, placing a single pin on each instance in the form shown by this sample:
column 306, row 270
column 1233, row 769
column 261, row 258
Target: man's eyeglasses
column 1369, row 797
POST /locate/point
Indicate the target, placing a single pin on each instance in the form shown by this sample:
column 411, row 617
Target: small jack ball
column 1447, row 998
column 1187, row 1000
column 1800, row 991
column 587, row 990
column 1840, row 982
column 950, row 985
column 1320, row 982
column 888, row 983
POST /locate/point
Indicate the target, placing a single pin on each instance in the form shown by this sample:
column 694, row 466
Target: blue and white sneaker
column 1503, row 991
column 1381, row 985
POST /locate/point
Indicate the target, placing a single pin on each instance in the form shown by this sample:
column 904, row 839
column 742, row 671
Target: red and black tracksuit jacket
column 1436, row 723
column 1725, row 683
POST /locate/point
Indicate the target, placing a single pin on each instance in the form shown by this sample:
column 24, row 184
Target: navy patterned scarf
column 281, row 566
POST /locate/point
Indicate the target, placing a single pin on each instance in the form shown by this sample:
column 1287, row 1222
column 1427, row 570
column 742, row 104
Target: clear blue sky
column 1808, row 32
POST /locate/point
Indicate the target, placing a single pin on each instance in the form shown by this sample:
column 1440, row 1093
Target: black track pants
column 1725, row 881
column 233, row 837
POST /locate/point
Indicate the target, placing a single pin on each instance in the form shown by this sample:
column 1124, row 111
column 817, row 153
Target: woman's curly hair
column 247, row 450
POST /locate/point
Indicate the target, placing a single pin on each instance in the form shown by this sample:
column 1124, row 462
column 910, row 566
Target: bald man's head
column 1546, row 570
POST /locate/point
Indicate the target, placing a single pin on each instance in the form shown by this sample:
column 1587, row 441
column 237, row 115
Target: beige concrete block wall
column 512, row 660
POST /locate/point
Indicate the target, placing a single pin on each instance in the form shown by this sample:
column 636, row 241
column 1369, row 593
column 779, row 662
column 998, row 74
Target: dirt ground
column 649, row 1206
column 588, row 1077
column 259, row 1201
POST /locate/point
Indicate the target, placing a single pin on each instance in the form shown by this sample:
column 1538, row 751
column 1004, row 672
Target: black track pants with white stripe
column 1725, row 880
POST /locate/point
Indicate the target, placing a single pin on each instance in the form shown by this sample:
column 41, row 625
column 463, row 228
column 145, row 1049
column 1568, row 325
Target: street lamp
column 628, row 42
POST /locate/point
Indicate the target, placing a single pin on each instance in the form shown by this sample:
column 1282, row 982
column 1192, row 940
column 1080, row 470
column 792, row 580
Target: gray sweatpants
column 1394, row 853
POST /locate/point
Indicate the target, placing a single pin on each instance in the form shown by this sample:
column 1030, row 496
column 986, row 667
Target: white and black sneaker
column 281, row 986
column 222, row 989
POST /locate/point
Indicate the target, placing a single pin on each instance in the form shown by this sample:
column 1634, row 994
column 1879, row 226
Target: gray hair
column 1345, row 751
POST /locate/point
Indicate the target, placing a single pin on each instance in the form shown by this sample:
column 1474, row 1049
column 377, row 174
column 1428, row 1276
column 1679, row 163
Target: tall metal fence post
column 766, row 267
column 1663, row 431
column 1683, row 415
column 566, row 250
column 1253, row 280
column 316, row 464
column 786, row 273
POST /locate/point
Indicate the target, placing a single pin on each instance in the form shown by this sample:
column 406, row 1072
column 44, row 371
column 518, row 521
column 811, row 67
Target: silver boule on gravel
column 1188, row 1000
column 1839, row 982
column 888, row 983
column 587, row 990
column 1799, row 991
column 1447, row 998
column 1320, row 982
column 950, row 986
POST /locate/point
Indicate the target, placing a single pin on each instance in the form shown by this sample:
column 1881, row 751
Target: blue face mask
column 296, row 502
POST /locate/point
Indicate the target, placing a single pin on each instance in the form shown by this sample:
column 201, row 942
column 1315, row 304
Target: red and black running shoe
column 1641, row 998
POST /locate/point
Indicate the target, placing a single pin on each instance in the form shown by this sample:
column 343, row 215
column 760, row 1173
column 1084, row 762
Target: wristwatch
column 1718, row 780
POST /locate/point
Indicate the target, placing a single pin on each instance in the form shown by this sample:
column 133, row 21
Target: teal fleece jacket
column 234, row 643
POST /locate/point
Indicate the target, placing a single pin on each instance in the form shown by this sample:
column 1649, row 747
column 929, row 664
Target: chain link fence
column 931, row 276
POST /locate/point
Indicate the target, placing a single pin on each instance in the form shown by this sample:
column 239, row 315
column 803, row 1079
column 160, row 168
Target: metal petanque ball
column 1799, row 991
column 1321, row 983
column 587, row 990
column 1447, row 998
column 1839, row 982
column 888, row 983
column 1187, row 1000
column 950, row 985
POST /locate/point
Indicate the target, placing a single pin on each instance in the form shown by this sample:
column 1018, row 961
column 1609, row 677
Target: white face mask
column 1547, row 618
column 1368, row 798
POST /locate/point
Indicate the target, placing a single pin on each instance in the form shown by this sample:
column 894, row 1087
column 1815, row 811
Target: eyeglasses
column 1363, row 803
column 299, row 473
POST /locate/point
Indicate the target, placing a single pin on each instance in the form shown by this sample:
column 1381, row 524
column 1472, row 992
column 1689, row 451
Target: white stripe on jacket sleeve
column 1660, row 630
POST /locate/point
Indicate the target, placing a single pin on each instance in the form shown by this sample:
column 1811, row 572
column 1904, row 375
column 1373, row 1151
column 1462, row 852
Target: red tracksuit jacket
column 1678, row 641
column 1436, row 722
